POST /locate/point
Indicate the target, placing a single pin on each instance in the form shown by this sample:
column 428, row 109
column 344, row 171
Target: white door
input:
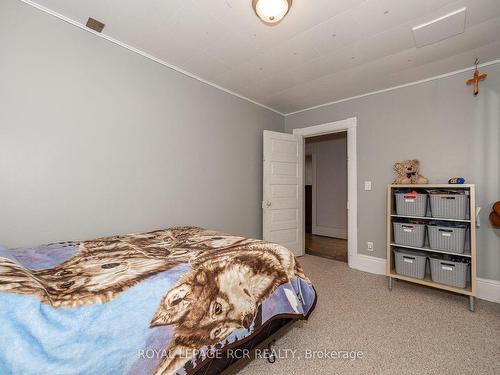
column 283, row 194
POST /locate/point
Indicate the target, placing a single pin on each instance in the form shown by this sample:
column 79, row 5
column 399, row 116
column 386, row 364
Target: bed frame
column 266, row 336
column 263, row 338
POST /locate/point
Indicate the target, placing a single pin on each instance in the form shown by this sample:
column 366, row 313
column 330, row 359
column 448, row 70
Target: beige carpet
column 411, row 330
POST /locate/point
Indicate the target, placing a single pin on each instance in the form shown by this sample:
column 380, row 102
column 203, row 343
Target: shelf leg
column 472, row 303
column 391, row 282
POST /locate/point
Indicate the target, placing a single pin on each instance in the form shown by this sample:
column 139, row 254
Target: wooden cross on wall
column 476, row 78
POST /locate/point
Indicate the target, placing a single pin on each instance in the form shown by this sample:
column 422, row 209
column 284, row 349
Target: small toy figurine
column 456, row 180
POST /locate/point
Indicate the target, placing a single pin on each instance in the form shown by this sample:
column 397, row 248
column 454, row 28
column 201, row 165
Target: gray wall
column 441, row 123
column 308, row 180
column 331, row 184
column 97, row 140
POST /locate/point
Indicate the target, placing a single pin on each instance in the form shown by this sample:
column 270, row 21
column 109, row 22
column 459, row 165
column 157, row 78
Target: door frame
column 349, row 125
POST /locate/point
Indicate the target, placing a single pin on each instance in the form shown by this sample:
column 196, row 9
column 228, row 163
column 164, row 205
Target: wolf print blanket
column 161, row 302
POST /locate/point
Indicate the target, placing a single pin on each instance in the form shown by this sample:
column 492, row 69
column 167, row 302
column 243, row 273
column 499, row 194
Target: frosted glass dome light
column 271, row 11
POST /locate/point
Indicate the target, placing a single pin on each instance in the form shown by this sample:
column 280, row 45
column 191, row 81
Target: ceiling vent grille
column 95, row 25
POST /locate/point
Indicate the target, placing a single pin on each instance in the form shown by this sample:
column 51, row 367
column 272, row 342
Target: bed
column 179, row 300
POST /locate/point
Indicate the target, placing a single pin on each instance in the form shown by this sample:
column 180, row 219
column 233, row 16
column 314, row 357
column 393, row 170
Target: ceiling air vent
column 439, row 29
column 95, row 25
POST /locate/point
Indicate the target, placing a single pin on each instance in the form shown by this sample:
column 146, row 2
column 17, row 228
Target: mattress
column 162, row 302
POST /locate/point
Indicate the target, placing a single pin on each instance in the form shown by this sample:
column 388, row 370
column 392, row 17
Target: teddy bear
column 408, row 173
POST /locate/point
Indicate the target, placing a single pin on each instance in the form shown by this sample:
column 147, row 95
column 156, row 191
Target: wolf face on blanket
column 230, row 276
column 221, row 294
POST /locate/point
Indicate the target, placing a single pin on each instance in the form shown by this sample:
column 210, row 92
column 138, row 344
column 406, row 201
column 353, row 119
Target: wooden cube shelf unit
column 470, row 289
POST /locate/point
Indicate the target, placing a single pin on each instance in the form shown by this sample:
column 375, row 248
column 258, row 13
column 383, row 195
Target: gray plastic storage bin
column 449, row 273
column 411, row 204
column 449, row 206
column 410, row 263
column 409, row 234
column 447, row 238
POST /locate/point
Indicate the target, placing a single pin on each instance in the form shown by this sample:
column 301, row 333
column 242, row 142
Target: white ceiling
column 323, row 51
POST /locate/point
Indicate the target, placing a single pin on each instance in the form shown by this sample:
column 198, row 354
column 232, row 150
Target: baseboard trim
column 368, row 263
column 329, row 232
column 487, row 289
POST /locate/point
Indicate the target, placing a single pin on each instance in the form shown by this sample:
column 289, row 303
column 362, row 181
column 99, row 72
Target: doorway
column 325, row 191
column 354, row 259
column 283, row 188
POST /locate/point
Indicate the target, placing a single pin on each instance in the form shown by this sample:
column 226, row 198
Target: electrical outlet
column 369, row 246
column 368, row 185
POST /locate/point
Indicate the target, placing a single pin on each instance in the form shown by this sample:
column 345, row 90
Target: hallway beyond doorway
column 328, row 247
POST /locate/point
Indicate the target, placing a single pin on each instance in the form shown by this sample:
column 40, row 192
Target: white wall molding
column 369, row 264
column 445, row 75
column 321, row 230
column 144, row 54
column 488, row 289
column 330, row 127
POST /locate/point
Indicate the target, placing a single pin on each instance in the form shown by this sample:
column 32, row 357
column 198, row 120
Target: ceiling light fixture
column 271, row 12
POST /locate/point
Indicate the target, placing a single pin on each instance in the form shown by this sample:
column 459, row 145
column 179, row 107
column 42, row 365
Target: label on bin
column 446, row 268
column 407, row 260
column 407, row 230
column 444, row 234
column 409, row 200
